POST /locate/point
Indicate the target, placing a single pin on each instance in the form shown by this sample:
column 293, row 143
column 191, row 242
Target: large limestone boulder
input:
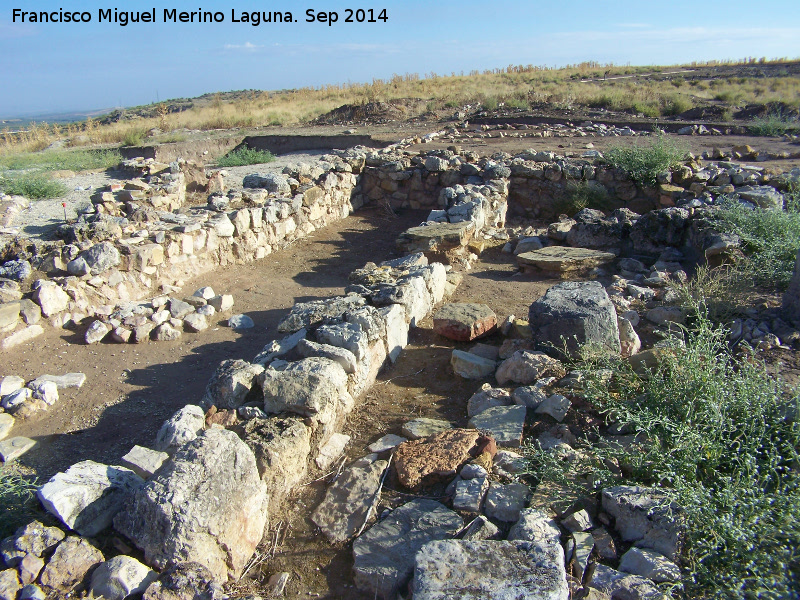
column 88, row 495
column 489, row 569
column 282, row 447
column 303, row 393
column 230, row 383
column 383, row 557
column 763, row 196
column 208, row 505
column 574, row 313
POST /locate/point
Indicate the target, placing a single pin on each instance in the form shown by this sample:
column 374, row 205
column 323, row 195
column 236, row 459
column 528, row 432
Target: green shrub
column 770, row 240
column 34, row 186
column 773, row 124
column 718, row 435
column 245, row 156
column 650, row 108
column 134, row 137
column 16, row 501
column 580, row 195
column 675, row 104
column 644, row 163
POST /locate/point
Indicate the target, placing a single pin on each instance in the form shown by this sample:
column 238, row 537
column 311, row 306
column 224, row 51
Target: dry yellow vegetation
column 647, row 90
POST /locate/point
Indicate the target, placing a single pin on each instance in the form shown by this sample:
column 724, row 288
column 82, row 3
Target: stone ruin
column 197, row 503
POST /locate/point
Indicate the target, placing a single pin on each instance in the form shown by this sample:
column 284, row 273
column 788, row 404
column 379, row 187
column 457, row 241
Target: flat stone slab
column 385, row 443
column 464, row 322
column 383, row 556
column 500, row 570
column 144, row 461
column 13, row 448
column 438, row 237
column 88, row 495
column 563, row 259
column 424, row 427
column 344, row 510
column 69, row 380
column 503, row 423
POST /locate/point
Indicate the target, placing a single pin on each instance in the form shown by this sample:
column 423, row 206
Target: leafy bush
column 718, row 434
column 644, row 163
column 770, row 240
column 245, row 156
column 580, row 195
column 774, row 124
column 134, row 137
column 34, row 186
column 16, row 501
column 675, row 104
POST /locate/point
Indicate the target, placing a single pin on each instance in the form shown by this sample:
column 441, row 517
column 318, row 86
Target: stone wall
column 147, row 249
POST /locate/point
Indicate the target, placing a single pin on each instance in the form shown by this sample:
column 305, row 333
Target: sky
column 61, row 67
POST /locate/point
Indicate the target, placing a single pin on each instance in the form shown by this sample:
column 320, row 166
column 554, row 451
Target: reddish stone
column 464, row 322
column 437, row 458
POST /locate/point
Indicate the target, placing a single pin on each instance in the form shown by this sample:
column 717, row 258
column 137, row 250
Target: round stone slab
column 563, row 259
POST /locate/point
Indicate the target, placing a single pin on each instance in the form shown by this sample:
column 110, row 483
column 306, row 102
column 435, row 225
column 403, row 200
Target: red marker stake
column 64, row 206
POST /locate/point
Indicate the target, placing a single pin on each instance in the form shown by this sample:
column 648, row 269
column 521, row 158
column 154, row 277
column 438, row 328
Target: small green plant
column 245, row 156
column 16, row 501
column 773, row 124
column 580, row 195
column 134, row 137
column 714, row 433
column 34, row 186
column 720, row 292
column 644, row 163
column 675, row 104
column 770, row 240
column 649, row 108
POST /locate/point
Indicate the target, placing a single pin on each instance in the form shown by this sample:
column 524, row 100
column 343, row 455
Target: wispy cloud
column 635, row 25
column 246, row 47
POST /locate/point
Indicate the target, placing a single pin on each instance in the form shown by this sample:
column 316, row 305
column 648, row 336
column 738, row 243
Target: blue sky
column 63, row 66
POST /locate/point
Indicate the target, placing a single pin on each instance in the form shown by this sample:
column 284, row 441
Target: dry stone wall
column 139, row 239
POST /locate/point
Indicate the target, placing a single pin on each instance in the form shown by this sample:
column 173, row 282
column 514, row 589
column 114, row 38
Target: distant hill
column 14, row 122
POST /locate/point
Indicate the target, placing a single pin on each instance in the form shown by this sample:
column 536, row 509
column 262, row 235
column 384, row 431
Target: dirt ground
column 132, row 389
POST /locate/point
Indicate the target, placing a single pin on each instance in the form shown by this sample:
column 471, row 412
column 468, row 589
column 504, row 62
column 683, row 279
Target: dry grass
column 588, row 85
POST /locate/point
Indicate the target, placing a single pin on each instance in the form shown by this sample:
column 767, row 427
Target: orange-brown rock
column 464, row 322
column 424, row 462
